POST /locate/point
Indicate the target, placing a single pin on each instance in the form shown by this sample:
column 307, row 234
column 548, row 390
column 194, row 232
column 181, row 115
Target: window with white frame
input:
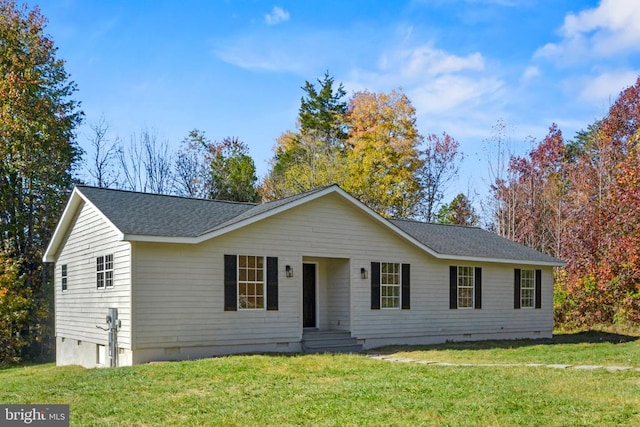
column 527, row 288
column 251, row 273
column 389, row 285
column 104, row 271
column 466, row 283
column 63, row 276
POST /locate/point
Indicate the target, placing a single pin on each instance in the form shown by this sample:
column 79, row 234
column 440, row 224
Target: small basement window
column 101, row 354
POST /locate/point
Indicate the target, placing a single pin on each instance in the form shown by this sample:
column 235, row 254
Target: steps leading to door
column 329, row 342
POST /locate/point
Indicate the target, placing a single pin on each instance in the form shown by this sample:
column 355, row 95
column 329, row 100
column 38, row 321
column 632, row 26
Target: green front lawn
column 583, row 348
column 343, row 390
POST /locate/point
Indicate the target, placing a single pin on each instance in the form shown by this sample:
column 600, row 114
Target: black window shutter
column 406, row 286
column 538, row 288
column 375, row 286
column 478, row 289
column 453, row 287
column 230, row 283
column 516, row 288
column 272, row 283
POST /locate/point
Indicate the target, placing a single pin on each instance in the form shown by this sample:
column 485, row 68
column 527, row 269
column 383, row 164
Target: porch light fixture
column 363, row 273
column 289, row 271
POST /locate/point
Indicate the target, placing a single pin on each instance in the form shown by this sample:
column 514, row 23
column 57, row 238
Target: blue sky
column 235, row 68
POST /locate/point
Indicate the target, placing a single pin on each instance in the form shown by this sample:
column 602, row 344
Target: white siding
column 83, row 306
column 338, row 281
column 178, row 289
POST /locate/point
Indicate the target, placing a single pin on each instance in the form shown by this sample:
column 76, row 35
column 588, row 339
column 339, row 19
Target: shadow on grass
column 584, row 337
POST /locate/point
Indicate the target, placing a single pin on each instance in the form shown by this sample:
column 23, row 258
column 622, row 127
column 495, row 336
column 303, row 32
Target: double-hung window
column 63, row 276
column 104, row 271
column 466, row 283
column 465, row 287
column 251, row 282
column 527, row 288
column 389, row 285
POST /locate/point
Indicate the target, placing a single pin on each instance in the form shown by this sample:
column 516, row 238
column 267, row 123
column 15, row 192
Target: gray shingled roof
column 469, row 242
column 171, row 216
column 160, row 215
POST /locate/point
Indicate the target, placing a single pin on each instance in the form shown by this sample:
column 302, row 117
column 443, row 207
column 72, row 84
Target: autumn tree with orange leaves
column 580, row 201
column 369, row 145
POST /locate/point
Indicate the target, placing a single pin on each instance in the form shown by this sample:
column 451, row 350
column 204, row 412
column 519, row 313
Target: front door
column 309, row 296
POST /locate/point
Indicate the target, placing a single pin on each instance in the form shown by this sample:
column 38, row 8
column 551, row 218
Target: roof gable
column 172, row 219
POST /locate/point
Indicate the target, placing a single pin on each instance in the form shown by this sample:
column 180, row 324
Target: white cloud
column 530, row 73
column 277, row 16
column 602, row 32
column 436, row 81
column 427, row 60
column 605, row 88
column 452, row 93
column 268, row 55
column 307, row 54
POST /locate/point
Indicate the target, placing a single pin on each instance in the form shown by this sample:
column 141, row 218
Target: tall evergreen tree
column 323, row 110
column 314, row 155
column 38, row 118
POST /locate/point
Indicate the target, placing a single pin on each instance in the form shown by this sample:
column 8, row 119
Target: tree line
column 577, row 199
column 200, row 168
column 368, row 144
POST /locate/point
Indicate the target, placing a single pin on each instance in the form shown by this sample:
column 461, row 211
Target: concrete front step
column 329, row 342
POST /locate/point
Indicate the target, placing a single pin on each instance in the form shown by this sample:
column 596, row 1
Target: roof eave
column 159, row 239
column 502, row 260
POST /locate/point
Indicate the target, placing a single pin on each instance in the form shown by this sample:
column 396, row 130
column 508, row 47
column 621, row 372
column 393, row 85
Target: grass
column 581, row 348
column 338, row 390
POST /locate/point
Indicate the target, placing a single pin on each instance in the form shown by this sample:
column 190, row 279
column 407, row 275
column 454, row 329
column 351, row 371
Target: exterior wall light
column 363, row 273
column 289, row 271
